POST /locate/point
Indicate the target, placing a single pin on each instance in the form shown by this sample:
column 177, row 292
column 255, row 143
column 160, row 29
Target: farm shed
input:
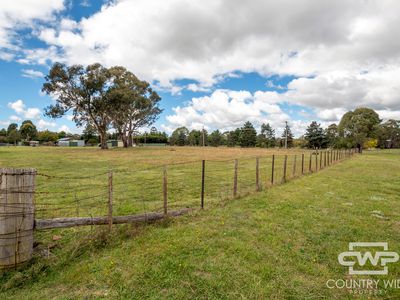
column 67, row 142
column 114, row 143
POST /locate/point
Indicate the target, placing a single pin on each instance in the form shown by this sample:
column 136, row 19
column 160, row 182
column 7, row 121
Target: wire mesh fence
column 29, row 198
column 180, row 185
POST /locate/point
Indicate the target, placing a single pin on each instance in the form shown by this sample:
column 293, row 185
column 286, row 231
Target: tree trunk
column 130, row 141
column 103, row 140
column 125, row 140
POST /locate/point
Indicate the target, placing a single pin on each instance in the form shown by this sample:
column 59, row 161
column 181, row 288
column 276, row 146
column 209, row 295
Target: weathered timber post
column 320, row 160
column 302, row 164
column 324, row 158
column 17, row 188
column 235, row 176
column 294, row 165
column 203, row 170
column 316, row 161
column 165, row 191
column 273, row 169
column 309, row 163
column 284, row 169
column 257, row 174
column 110, row 200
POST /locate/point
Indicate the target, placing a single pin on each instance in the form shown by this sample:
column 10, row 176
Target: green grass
column 279, row 243
column 74, row 181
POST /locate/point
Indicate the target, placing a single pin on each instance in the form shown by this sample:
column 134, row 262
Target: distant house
column 68, row 142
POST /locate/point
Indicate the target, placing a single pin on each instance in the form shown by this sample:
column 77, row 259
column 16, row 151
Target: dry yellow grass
column 58, row 160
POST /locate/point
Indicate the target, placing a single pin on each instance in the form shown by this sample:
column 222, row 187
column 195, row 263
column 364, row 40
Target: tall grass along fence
column 30, row 200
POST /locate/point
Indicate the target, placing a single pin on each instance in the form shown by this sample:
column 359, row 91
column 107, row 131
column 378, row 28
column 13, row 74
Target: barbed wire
column 140, row 189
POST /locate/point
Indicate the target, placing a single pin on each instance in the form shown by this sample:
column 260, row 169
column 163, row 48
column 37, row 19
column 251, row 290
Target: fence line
column 135, row 195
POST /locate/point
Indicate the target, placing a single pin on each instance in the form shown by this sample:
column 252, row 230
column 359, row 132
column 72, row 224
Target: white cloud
column 197, row 88
column 343, row 53
column 42, row 124
column 21, row 14
column 32, row 73
column 15, row 118
column 226, row 110
column 32, row 113
column 85, row 3
column 64, row 128
column 185, row 39
column 332, row 115
column 272, row 85
column 20, row 108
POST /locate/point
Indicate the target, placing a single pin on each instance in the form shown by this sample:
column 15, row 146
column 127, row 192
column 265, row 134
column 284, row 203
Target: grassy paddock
column 77, row 181
column 282, row 243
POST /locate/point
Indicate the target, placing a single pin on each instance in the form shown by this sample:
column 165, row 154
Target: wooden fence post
column 203, row 170
column 316, row 160
column 331, row 156
column 324, row 158
column 273, row 169
column 235, row 176
column 165, row 191
column 17, row 188
column 320, row 159
column 294, row 165
column 284, row 169
column 309, row 163
column 257, row 174
column 110, row 199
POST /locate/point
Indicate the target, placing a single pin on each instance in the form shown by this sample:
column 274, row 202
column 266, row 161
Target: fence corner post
column 17, row 189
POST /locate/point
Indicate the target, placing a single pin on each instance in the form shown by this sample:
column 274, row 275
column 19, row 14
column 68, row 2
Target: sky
column 215, row 63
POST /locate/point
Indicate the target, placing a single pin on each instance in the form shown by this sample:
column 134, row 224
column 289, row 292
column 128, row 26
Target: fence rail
column 36, row 201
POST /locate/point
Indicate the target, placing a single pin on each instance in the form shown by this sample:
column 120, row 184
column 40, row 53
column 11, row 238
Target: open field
column 72, row 161
column 281, row 243
column 74, row 181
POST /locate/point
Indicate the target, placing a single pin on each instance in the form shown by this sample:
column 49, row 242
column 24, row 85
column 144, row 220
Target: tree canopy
column 357, row 126
column 315, row 136
column 101, row 97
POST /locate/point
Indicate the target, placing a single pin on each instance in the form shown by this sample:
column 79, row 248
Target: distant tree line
column 245, row 136
column 359, row 128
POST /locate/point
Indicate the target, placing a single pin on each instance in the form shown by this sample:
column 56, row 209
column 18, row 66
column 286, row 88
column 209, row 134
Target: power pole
column 286, row 131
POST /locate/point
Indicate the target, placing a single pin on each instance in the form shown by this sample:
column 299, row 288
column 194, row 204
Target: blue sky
column 215, row 64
